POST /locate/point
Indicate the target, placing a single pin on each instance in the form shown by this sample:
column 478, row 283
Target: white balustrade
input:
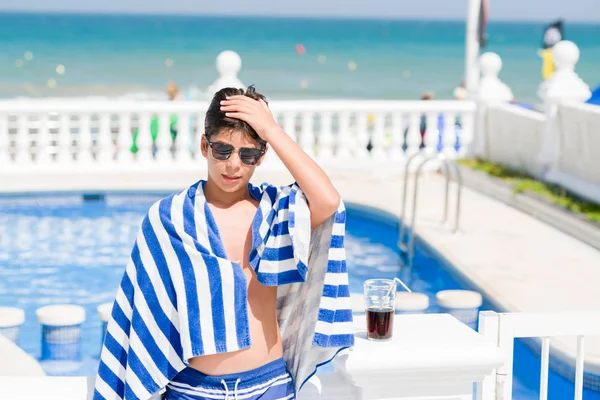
column 307, row 136
column 163, row 140
column 4, row 141
column 183, row 139
column 64, row 139
column 43, row 141
column 413, row 137
column 23, row 155
column 553, row 329
column 396, row 152
column 362, row 135
column 144, row 138
column 124, row 139
column 344, row 140
column 84, row 139
column 378, row 139
column 97, row 134
column 326, row 137
column 104, row 142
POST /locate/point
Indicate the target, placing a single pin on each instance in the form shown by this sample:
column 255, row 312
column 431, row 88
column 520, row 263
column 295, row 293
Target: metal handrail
column 409, row 247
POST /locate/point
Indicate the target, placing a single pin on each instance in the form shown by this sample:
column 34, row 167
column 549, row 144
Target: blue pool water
column 62, row 249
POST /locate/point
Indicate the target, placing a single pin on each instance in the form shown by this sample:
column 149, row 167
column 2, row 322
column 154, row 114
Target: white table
column 430, row 356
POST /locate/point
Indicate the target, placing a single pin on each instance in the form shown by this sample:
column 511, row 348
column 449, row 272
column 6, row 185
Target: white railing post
column 506, row 342
column 343, row 138
column 4, row 142
column 491, row 90
column 488, row 327
column 307, row 136
column 564, row 85
column 65, row 140
column 396, row 152
column 413, row 137
column 199, row 135
column 43, row 139
column 4, row 154
column 289, row 124
column 163, row 140
column 378, row 139
column 362, row 135
column 144, row 138
column 84, row 139
column 579, row 364
column 182, row 140
column 544, row 368
column 104, row 143
column 431, row 131
column 466, row 133
column 449, row 135
column 124, row 139
column 23, row 155
column 325, row 138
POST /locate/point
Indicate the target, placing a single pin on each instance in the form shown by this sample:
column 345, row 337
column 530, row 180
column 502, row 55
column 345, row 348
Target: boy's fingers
column 238, row 115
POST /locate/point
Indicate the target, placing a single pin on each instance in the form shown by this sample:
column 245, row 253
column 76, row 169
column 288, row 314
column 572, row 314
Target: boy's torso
column 235, row 223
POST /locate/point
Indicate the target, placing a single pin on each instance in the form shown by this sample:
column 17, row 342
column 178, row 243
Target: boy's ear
column 204, row 146
column 263, row 156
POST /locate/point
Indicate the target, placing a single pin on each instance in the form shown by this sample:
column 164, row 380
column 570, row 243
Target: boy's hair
column 216, row 121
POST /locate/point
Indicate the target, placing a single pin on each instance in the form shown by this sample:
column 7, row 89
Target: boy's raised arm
column 323, row 198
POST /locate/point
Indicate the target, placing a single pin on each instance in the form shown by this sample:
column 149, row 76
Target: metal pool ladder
column 407, row 245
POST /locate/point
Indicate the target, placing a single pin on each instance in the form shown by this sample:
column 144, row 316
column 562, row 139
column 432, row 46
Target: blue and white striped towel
column 180, row 297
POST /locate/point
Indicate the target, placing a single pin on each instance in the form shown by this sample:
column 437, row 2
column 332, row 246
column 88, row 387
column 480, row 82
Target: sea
column 135, row 56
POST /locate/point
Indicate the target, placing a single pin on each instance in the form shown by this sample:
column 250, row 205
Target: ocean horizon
column 134, row 56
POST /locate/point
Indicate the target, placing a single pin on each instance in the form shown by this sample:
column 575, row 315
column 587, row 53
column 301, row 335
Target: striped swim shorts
column 272, row 381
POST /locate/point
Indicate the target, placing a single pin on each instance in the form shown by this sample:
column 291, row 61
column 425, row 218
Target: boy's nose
column 234, row 160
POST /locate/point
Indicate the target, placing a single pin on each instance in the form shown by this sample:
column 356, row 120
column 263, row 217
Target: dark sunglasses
column 248, row 155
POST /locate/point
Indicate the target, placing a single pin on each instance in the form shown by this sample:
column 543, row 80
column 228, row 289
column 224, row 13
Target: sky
column 518, row 10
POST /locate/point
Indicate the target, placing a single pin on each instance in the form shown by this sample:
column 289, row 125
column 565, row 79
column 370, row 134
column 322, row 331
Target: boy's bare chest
column 235, row 230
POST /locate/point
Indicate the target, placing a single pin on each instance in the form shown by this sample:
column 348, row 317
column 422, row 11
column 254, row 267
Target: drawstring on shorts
column 235, row 389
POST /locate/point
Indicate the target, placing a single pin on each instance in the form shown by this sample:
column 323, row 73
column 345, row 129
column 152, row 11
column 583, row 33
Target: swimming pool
column 73, row 249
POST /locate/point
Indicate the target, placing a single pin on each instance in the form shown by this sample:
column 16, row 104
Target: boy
column 232, row 290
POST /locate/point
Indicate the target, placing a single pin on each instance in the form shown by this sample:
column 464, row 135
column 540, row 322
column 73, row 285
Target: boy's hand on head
column 255, row 112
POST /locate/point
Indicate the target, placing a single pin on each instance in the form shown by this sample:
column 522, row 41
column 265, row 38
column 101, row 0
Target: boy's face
column 232, row 174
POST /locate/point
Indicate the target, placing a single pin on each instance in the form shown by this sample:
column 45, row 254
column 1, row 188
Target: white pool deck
column 520, row 263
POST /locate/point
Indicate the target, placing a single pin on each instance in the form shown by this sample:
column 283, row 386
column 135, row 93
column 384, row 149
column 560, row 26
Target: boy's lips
column 231, row 178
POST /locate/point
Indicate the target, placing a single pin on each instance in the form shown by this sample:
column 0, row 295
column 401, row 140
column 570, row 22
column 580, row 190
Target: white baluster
column 378, row 140
column 144, row 139
column 579, row 366
column 307, row 136
column 396, row 152
column 23, row 140
column 4, row 155
column 65, row 140
column 182, row 141
column 466, row 133
column 344, row 137
column 163, row 141
column 431, row 132
column 43, row 138
column 104, row 143
column 124, row 139
column 84, row 142
column 326, row 137
column 362, row 135
column 413, row 137
column 199, row 134
column 449, row 135
column 289, row 124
